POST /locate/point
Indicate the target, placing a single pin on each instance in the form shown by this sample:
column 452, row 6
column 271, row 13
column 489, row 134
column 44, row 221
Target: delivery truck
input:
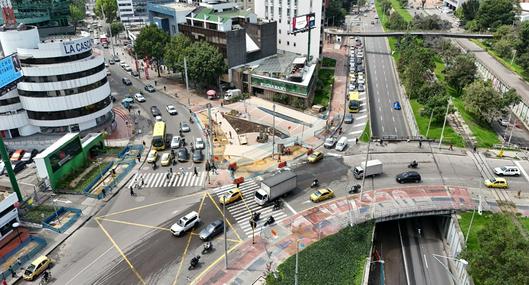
column 275, row 186
column 374, row 167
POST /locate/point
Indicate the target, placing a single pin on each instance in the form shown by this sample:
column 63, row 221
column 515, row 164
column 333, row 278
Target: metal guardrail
column 413, row 33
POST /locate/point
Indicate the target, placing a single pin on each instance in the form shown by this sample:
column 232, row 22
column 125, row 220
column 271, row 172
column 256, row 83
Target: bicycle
column 45, row 280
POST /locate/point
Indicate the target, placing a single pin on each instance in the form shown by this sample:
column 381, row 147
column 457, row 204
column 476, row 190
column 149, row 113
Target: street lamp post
column 297, row 263
column 225, row 237
column 463, row 262
column 16, row 225
column 444, row 123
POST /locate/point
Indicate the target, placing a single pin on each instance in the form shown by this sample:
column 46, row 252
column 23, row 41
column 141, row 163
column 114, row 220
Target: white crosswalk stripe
column 160, row 180
column 241, row 210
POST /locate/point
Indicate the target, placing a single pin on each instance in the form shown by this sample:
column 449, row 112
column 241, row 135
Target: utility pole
column 444, row 123
column 225, row 237
column 297, row 263
column 9, row 169
column 210, row 128
column 429, row 123
column 273, row 130
column 187, row 84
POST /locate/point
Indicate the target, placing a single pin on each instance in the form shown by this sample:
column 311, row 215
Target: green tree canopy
column 461, row 72
column 116, row 28
column 109, row 8
column 429, row 23
column 175, row 51
column 335, row 13
column 494, row 13
column 484, row 102
column 436, row 107
column 77, row 13
column 469, row 10
column 151, row 43
column 396, row 22
column 205, row 63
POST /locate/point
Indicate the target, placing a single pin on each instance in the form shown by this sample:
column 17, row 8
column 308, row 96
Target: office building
column 64, row 88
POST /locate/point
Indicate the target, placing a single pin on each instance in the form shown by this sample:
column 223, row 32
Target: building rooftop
column 210, row 14
column 179, row 6
column 56, row 145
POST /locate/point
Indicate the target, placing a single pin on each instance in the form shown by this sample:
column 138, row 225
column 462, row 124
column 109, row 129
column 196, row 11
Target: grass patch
column 439, row 68
column 324, row 88
column 328, row 62
column 342, row 254
column 450, row 136
column 383, row 18
column 478, row 224
column 87, row 178
column 485, row 135
column 366, row 134
column 525, row 222
column 401, row 10
column 507, row 63
column 38, row 213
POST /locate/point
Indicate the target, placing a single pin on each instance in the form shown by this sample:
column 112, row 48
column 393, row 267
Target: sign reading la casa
column 77, row 46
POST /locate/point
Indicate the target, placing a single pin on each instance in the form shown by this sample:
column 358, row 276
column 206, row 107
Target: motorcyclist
column 315, row 182
column 46, row 275
column 414, row 163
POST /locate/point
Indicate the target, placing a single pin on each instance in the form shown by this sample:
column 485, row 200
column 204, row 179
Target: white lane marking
column 425, row 261
column 334, row 154
column 356, row 132
column 382, row 128
column 89, row 265
column 289, row 207
column 396, row 130
column 361, row 117
column 358, row 125
column 393, row 119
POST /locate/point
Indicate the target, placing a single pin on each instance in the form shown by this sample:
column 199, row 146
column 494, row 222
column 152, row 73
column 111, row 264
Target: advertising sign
column 279, row 86
column 303, row 23
column 10, row 70
column 77, row 46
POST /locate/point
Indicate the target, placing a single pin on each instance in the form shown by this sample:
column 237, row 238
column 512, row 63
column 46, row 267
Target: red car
column 17, row 155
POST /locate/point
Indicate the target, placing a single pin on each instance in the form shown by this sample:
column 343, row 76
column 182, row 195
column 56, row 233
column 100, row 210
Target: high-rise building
column 64, row 88
column 283, row 11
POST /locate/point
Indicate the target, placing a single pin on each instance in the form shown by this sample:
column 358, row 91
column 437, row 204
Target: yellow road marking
column 120, row 251
column 214, row 263
column 134, row 224
column 149, row 205
column 227, row 220
column 188, row 242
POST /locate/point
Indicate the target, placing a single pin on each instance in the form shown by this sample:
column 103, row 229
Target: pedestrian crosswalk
column 162, row 179
column 242, row 210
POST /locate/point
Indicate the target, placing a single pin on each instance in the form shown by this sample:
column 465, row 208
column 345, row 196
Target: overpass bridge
column 445, row 34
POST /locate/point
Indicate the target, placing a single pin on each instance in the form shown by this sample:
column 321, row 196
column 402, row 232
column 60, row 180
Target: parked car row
column 19, row 159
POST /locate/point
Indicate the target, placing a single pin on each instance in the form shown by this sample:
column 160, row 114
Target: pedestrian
column 143, row 142
column 167, row 176
column 451, row 147
column 238, row 185
column 475, row 148
column 13, row 273
column 420, row 144
column 279, row 157
column 164, row 88
column 519, row 194
column 195, row 171
column 19, row 262
column 155, row 82
column 104, row 192
column 139, row 158
column 131, row 190
column 142, row 181
column 356, row 140
column 4, row 282
column 170, row 170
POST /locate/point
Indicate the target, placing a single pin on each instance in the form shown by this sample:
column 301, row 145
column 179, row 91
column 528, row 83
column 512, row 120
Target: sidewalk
column 248, row 262
column 337, row 104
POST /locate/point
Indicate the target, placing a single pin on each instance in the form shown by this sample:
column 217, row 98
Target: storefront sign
column 279, row 86
column 78, row 46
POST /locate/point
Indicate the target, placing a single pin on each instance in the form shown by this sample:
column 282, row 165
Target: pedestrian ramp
column 163, row 180
column 242, row 210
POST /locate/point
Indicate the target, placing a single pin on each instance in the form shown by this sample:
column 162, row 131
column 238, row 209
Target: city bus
column 354, row 102
column 158, row 136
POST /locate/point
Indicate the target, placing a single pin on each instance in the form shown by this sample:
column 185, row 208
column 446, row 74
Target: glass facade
column 42, row 13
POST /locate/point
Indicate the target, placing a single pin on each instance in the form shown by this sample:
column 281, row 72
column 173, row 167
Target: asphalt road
column 383, row 89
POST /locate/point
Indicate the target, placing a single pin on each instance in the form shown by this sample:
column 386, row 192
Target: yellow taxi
column 231, row 196
column 152, row 156
column 496, row 183
column 39, row 265
column 167, row 158
column 315, row 157
column 321, row 195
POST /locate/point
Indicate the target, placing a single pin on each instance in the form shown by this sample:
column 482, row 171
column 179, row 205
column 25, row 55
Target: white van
column 341, row 144
column 232, row 93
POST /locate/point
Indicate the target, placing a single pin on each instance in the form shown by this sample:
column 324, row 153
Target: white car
column 185, row 223
column 128, row 68
column 139, row 97
column 509, row 170
column 171, row 110
column 361, row 81
column 199, row 143
column 176, row 141
column 329, row 142
column 185, row 127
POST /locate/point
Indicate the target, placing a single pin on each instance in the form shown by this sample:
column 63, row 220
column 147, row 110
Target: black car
column 150, row 88
column 155, row 111
column 211, row 230
column 116, row 59
column 19, row 166
column 198, row 157
column 408, row 177
column 348, row 119
column 126, row 81
column 183, row 154
column 134, row 73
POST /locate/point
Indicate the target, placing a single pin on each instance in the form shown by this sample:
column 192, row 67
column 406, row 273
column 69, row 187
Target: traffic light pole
column 9, row 169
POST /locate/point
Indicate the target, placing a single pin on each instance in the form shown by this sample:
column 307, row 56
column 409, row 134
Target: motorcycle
column 194, row 262
column 413, row 164
column 355, row 189
column 277, row 205
column 315, row 183
column 270, row 221
column 208, row 246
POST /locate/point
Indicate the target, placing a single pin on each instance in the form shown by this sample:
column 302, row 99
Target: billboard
column 303, row 23
column 10, row 70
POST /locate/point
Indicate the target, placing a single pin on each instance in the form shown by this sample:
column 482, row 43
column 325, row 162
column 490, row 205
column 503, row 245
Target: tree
column 175, row 51
column 336, row 12
column 429, row 23
column 482, row 100
column 429, row 90
column 396, row 22
column 461, row 72
column 523, row 61
column 494, row 13
column 116, row 28
column 386, row 6
column 469, row 10
column 77, row 13
column 205, row 63
column 436, row 105
column 505, row 40
column 151, row 43
column 109, row 8
column 522, row 46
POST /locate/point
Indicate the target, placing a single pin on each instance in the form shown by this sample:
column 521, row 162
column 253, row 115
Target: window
column 294, row 43
column 69, row 114
column 61, row 59
column 280, row 31
column 65, row 92
column 279, row 41
column 62, row 77
column 9, row 101
column 288, row 43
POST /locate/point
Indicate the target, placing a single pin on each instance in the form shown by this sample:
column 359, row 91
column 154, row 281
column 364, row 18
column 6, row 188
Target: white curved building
column 64, row 88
